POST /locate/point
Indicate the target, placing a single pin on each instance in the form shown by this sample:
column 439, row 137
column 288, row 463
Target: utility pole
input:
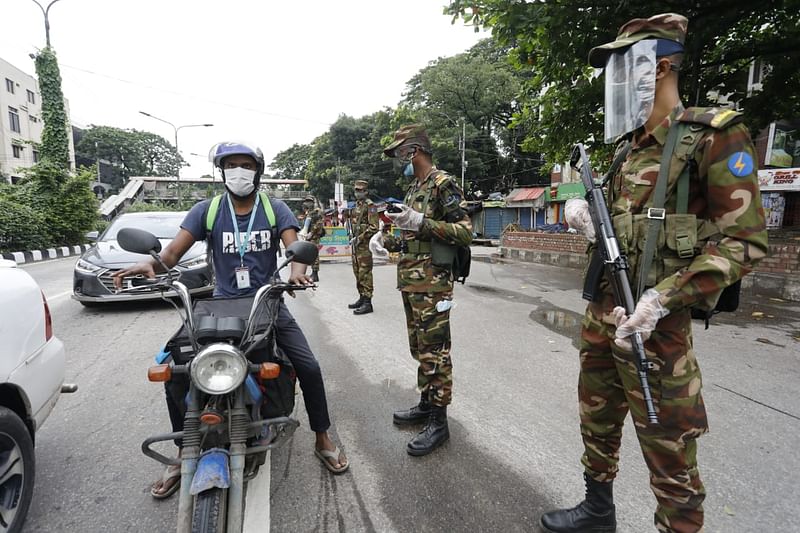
column 463, row 143
column 46, row 12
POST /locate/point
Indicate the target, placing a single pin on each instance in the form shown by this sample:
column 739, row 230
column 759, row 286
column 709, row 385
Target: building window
column 31, row 97
column 17, row 150
column 13, row 119
column 10, row 85
column 35, row 156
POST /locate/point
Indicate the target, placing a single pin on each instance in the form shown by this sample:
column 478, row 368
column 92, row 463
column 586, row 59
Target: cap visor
column 599, row 54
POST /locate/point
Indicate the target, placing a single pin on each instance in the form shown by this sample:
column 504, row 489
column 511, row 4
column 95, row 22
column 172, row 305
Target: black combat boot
column 416, row 415
column 315, row 276
column 357, row 303
column 594, row 514
column 366, row 307
column 433, row 435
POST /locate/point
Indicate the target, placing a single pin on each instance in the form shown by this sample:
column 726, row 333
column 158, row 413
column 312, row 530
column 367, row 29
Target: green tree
column 563, row 101
column 474, row 93
column 130, row 152
column 55, row 137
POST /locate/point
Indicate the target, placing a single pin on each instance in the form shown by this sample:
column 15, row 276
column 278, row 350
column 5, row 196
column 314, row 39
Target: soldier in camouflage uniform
column 699, row 252
column 315, row 230
column 363, row 223
column 432, row 216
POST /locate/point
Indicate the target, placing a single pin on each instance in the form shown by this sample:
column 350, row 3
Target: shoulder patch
column 715, row 117
column 740, row 164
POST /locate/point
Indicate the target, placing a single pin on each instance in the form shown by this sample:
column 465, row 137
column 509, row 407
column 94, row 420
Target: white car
column 32, row 362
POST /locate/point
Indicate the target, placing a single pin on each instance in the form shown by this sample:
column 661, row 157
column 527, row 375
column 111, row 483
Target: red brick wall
column 550, row 242
column 783, row 257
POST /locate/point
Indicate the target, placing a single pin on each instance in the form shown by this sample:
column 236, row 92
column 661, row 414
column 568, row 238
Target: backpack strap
column 265, row 201
column 211, row 214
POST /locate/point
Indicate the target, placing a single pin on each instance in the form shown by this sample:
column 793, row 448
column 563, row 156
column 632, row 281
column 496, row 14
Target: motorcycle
column 236, row 385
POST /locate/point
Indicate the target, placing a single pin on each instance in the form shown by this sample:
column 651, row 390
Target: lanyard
column 242, row 244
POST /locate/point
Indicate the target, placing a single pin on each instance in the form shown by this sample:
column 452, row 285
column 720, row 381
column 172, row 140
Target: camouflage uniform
column 315, row 232
column 723, row 231
column 364, row 223
column 423, row 285
column 730, row 237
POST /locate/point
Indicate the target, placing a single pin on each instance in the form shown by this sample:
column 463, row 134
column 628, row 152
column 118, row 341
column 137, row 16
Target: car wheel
column 16, row 471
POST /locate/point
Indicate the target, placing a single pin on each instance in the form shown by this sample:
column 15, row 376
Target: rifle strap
column 656, row 212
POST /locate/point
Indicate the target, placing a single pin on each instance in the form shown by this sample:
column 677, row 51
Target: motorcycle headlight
column 196, row 262
column 218, row 369
column 86, row 267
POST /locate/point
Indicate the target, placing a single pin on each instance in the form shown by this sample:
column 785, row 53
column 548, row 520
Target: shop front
column 780, row 196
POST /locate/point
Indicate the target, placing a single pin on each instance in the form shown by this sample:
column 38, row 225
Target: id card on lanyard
column 243, row 243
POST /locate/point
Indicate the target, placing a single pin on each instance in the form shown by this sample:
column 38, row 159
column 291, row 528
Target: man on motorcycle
column 244, row 248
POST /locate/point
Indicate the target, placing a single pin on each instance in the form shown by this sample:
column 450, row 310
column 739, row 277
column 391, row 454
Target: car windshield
column 162, row 225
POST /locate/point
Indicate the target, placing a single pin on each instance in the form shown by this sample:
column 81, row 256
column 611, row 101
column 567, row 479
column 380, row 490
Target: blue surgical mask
column 408, row 169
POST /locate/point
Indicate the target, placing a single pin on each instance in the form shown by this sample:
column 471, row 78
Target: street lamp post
column 46, row 12
column 175, row 129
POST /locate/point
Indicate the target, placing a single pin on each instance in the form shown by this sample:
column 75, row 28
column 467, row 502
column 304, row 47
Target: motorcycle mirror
column 302, row 252
column 138, row 241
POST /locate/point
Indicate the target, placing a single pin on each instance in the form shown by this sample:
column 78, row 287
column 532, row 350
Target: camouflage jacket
column 415, row 271
column 724, row 225
column 364, row 221
column 316, row 229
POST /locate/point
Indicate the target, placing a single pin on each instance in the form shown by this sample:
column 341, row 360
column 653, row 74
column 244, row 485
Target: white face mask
column 239, row 181
column 630, row 89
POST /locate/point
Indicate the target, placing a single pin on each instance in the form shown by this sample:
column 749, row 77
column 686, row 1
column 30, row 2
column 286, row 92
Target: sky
column 273, row 72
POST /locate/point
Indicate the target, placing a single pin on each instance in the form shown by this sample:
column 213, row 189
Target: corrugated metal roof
column 526, row 194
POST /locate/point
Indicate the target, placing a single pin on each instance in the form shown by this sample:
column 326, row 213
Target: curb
column 33, row 256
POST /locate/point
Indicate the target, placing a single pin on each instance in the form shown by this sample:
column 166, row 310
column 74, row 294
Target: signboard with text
column 783, row 179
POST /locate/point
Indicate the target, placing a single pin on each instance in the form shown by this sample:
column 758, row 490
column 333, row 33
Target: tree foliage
column 55, row 135
column 550, row 41
column 130, row 152
column 478, row 87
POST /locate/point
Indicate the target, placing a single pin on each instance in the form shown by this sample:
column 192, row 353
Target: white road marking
column 257, row 508
column 58, row 296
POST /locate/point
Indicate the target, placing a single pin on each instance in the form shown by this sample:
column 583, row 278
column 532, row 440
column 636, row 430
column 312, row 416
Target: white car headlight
column 86, row 267
column 218, row 369
column 197, row 262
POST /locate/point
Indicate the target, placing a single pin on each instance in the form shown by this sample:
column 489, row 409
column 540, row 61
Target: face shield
column 630, row 88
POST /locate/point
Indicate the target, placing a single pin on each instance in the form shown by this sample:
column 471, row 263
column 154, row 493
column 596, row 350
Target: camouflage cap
column 669, row 26
column 414, row 134
column 309, row 198
column 360, row 184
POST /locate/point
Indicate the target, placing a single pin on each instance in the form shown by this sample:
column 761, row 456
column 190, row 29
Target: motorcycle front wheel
column 210, row 514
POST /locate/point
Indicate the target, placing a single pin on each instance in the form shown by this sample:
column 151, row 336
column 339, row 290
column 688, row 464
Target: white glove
column 303, row 235
column 643, row 320
column 376, row 245
column 407, row 219
column 577, row 215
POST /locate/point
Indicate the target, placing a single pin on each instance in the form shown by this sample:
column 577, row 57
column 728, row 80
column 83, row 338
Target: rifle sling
column 656, row 212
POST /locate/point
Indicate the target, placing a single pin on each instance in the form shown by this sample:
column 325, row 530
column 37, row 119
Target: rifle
column 616, row 265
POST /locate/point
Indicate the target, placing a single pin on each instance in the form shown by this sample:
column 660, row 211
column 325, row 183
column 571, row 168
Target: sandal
column 325, row 455
column 171, row 479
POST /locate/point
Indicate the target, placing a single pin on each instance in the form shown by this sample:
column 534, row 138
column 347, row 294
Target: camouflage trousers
column 362, row 268
column 429, row 341
column 609, row 387
column 315, row 265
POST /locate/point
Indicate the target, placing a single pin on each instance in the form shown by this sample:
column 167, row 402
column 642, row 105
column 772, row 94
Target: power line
column 178, row 93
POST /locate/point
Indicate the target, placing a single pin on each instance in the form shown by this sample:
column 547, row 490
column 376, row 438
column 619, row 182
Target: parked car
column 32, row 363
column 93, row 283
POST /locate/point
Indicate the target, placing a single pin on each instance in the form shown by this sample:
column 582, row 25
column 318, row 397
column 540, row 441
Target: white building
column 21, row 121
